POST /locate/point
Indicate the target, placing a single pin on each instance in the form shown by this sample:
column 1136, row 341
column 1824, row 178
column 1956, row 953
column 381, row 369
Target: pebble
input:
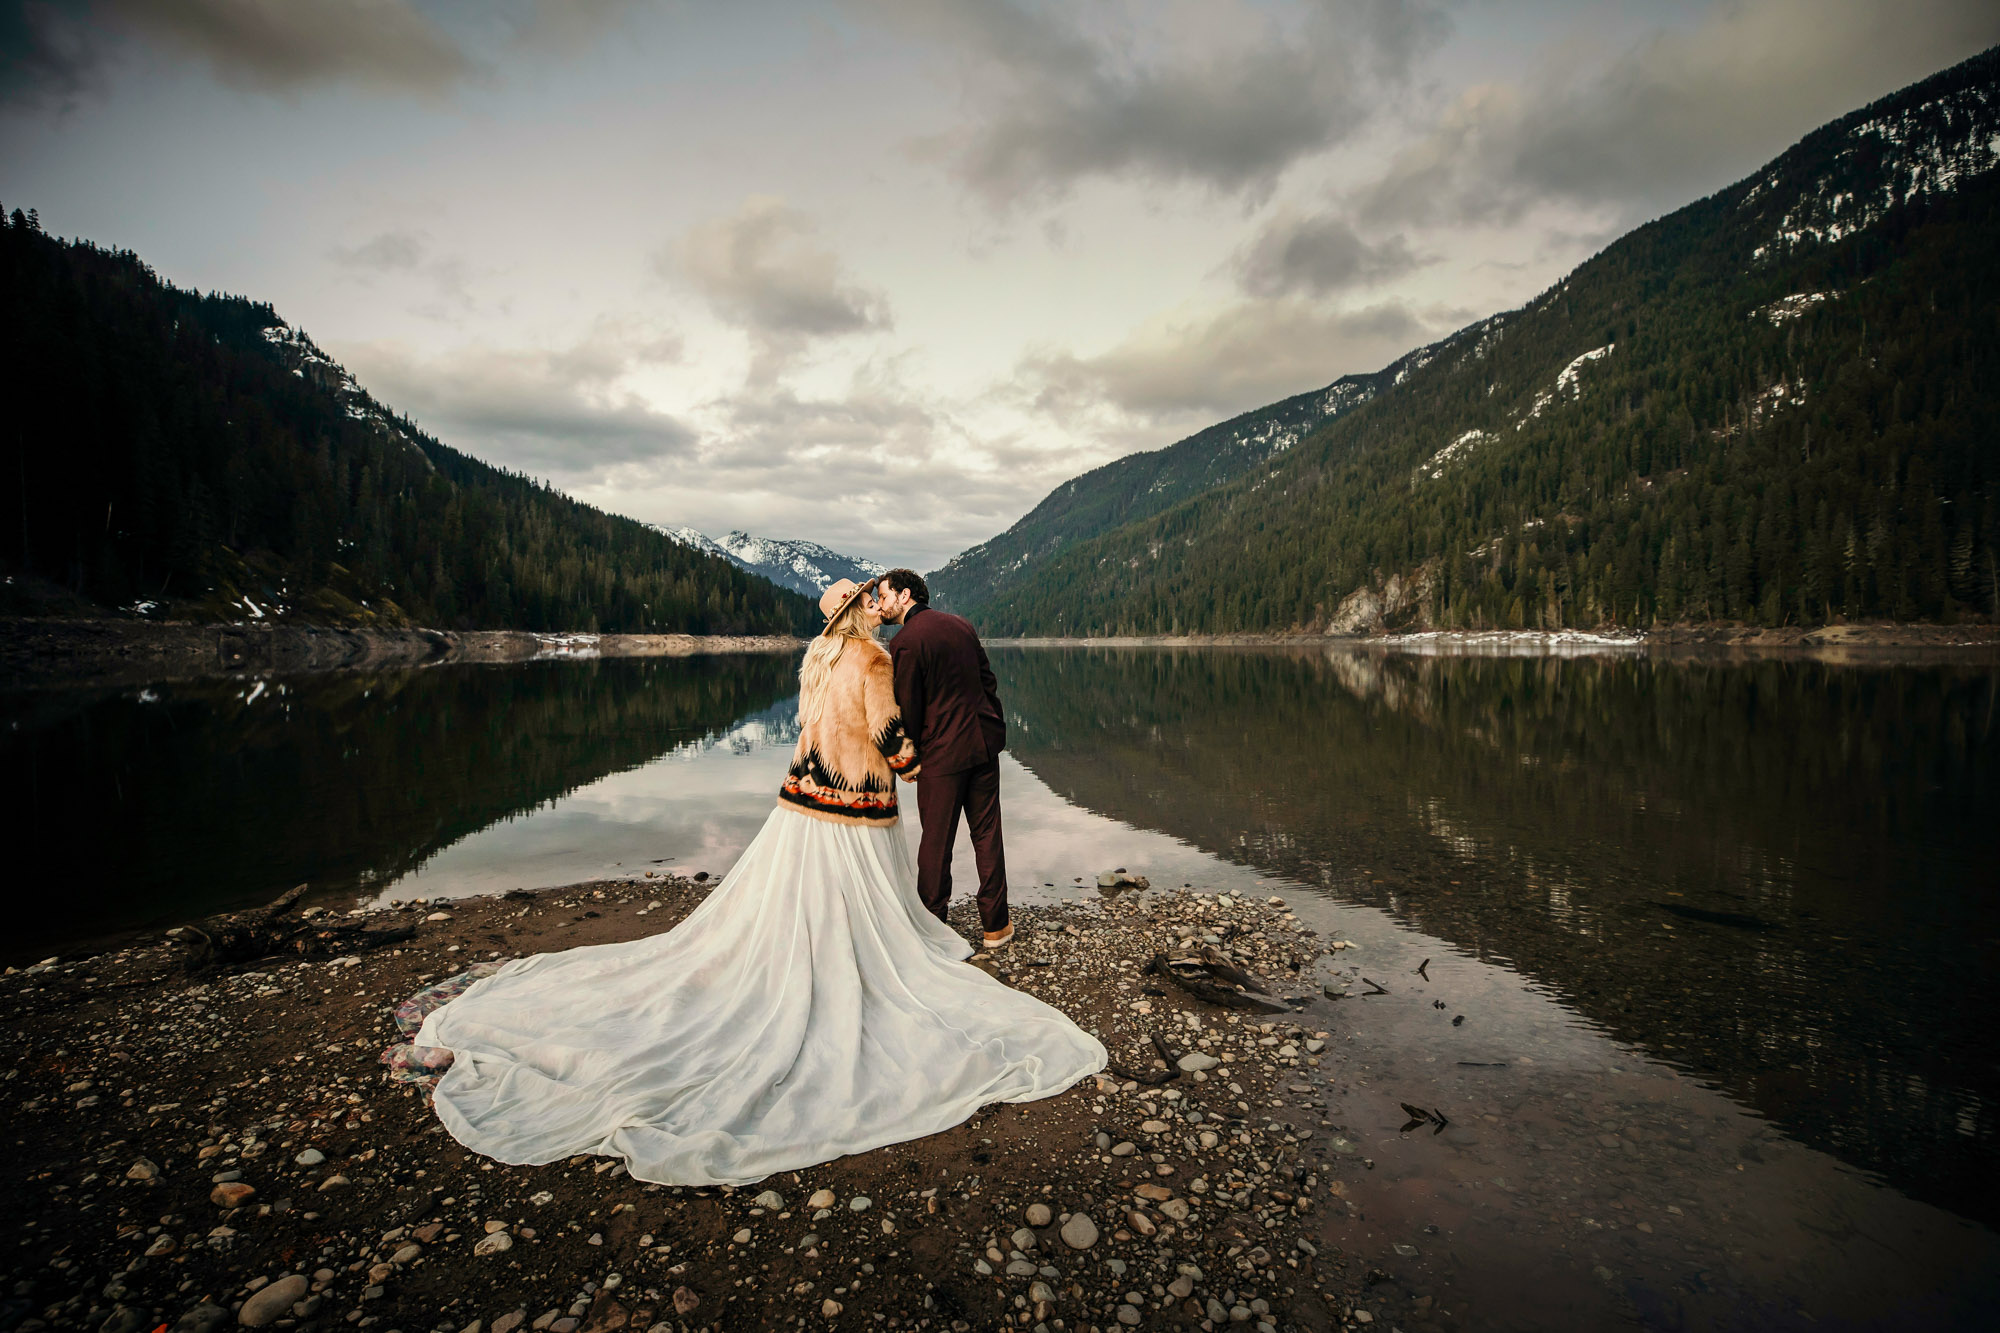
column 742, row 1237
column 1153, row 1127
column 507, row 1323
column 1079, row 1233
column 493, row 1224
column 231, row 1194
column 770, row 1199
column 1039, row 1215
column 496, row 1243
column 142, row 1169
column 1124, row 1149
column 272, row 1302
column 821, row 1199
column 830, row 1307
column 1195, row 1062
column 861, row 1203
column 406, row 1253
column 685, row 1301
column 334, row 1183
column 1181, row 1287
column 310, row 1157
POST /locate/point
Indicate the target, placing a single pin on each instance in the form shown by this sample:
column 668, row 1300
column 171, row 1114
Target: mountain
column 1776, row 405
column 176, row 454
column 804, row 567
column 1139, row 485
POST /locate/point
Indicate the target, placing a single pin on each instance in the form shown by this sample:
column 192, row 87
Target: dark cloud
column 387, row 251
column 60, row 47
column 1205, row 370
column 266, row 45
column 1676, row 116
column 553, row 411
column 1315, row 254
column 763, row 269
column 1226, row 99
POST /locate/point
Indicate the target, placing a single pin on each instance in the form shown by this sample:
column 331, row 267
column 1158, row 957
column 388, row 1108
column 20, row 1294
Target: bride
column 809, row 1008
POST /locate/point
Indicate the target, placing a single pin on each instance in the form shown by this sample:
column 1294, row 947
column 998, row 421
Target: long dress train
column 808, row 1009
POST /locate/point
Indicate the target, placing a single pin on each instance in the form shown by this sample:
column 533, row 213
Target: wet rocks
column 272, row 1302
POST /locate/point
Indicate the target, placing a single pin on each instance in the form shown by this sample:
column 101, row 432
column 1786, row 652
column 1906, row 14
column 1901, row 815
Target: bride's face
column 871, row 608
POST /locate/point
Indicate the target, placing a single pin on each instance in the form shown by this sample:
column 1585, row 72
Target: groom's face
column 894, row 603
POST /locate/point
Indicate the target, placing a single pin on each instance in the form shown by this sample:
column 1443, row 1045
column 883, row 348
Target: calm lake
column 1744, row 914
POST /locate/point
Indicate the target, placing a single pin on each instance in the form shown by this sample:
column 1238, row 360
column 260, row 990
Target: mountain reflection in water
column 1777, row 875
column 195, row 797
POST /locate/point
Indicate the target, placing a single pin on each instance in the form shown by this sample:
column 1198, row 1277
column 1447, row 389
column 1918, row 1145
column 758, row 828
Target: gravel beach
column 223, row 1149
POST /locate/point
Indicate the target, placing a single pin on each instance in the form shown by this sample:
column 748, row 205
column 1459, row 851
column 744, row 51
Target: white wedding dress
column 809, row 1008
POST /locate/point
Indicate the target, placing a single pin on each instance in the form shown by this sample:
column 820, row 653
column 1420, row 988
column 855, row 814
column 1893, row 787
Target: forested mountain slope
column 1780, row 404
column 178, row 454
column 1140, row 485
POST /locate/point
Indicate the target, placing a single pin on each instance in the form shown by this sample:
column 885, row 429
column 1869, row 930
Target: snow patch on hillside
column 1568, row 382
column 1793, row 306
column 1434, row 467
column 1924, row 150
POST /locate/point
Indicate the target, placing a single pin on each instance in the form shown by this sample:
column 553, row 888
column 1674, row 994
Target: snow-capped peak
column 803, row 566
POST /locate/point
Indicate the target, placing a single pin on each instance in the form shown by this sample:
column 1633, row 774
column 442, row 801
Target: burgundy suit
column 951, row 709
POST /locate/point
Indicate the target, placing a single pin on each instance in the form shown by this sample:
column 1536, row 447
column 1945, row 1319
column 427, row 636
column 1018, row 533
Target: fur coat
column 849, row 757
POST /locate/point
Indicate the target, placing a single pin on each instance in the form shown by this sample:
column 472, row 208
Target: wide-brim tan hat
column 836, row 599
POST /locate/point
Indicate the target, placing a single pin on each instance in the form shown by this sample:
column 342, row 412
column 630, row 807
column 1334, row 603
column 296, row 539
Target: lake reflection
column 1777, row 875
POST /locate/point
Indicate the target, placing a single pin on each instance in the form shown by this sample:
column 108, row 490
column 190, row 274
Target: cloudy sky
column 880, row 273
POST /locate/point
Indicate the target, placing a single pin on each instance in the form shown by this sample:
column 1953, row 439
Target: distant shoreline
column 120, row 652
column 1826, row 642
column 39, row 653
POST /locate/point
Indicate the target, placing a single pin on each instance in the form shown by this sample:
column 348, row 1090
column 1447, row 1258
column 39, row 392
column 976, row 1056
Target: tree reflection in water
column 1778, row 875
column 167, row 803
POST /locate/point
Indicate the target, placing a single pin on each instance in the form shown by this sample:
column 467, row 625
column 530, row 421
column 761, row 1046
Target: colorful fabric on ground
column 410, row 1063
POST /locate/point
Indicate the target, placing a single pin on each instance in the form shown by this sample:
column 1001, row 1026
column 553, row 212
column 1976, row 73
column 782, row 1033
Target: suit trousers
column 940, row 800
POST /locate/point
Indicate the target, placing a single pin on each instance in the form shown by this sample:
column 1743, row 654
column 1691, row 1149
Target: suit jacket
column 946, row 691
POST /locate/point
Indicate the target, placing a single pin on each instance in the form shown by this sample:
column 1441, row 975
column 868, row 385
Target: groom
column 951, row 710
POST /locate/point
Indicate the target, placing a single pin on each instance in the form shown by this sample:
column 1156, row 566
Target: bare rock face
column 272, row 1302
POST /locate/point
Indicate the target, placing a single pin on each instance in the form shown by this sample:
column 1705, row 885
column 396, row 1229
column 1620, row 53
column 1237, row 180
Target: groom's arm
column 910, row 692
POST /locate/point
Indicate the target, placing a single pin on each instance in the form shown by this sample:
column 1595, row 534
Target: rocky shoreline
column 1820, row 642
column 212, row 1150
column 131, row 652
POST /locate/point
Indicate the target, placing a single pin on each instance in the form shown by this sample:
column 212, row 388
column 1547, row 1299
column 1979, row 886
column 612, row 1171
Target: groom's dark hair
column 909, row 581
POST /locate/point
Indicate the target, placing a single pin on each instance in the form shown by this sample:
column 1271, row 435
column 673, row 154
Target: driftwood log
column 271, row 930
column 1211, row 976
column 1151, row 1078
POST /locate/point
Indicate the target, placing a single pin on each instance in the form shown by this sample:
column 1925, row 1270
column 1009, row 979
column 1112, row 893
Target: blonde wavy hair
column 824, row 651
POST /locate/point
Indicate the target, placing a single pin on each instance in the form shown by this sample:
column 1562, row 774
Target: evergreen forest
column 1779, row 405
column 170, row 453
